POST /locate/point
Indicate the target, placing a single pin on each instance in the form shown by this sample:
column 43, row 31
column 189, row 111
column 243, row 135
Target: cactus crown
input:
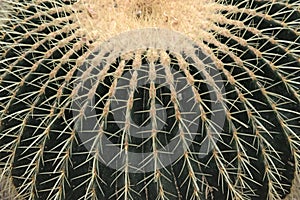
column 121, row 16
column 73, row 89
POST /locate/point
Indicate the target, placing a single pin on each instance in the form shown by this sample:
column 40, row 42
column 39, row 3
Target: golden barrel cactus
column 149, row 99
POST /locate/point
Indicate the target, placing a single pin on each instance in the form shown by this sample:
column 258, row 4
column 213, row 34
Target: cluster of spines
column 38, row 45
column 274, row 76
column 274, row 56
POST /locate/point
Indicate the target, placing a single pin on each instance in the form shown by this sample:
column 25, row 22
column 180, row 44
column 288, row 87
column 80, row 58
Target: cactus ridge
column 46, row 94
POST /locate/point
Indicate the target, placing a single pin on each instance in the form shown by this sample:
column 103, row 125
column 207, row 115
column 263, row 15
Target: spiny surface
column 255, row 46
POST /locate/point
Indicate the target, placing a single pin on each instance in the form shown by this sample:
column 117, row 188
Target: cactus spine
column 254, row 47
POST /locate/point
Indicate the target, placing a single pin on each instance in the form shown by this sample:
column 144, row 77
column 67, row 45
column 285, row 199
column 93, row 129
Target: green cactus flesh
column 255, row 46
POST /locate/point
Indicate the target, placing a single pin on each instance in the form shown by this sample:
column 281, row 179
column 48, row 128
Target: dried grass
column 295, row 190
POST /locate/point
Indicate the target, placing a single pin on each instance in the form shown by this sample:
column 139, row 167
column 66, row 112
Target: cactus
column 63, row 63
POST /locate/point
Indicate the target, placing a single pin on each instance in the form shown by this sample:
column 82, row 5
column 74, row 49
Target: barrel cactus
column 149, row 99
